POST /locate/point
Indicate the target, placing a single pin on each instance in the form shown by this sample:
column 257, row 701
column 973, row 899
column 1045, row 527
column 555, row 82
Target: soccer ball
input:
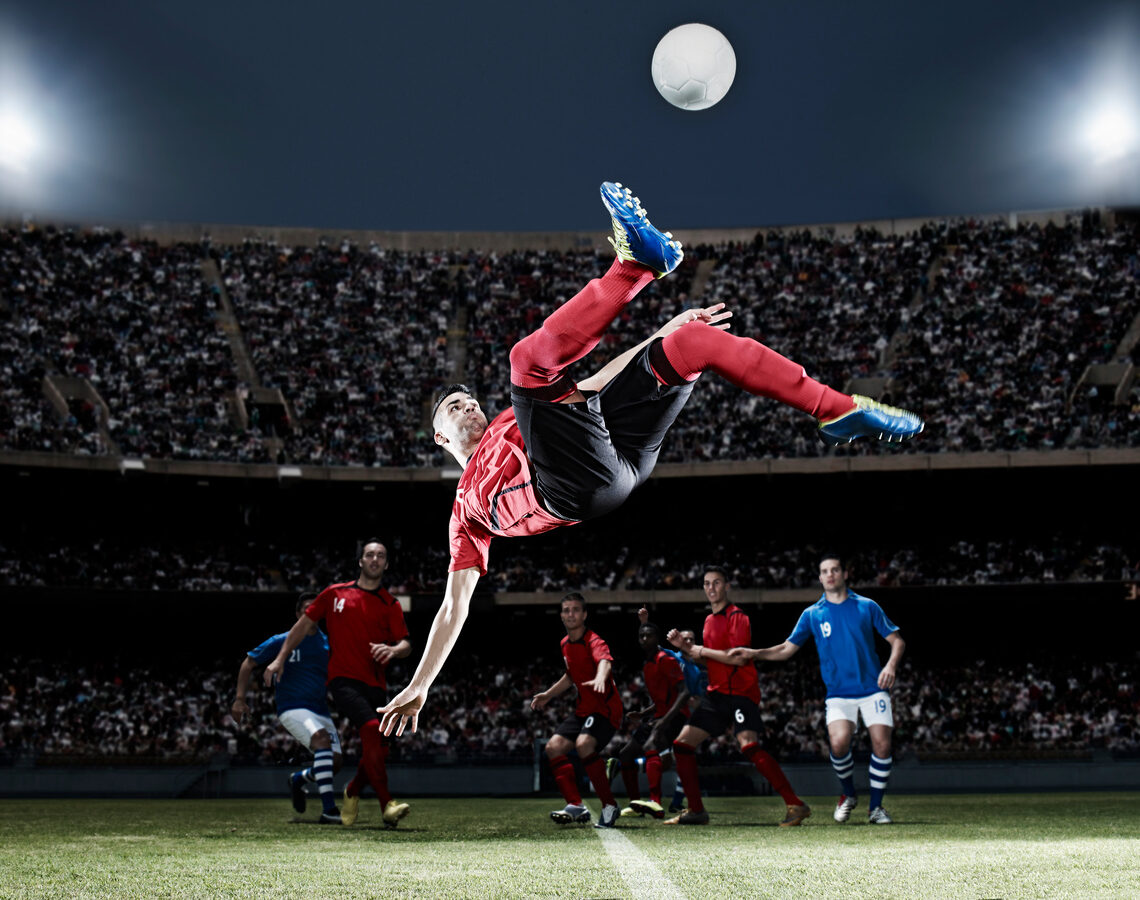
column 693, row 66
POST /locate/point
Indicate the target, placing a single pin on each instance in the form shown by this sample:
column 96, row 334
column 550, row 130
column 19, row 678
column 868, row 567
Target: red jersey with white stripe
column 496, row 496
column 582, row 657
column 724, row 630
column 354, row 618
column 664, row 680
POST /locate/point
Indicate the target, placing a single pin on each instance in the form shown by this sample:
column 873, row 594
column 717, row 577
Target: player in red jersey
column 668, row 709
column 366, row 631
column 732, row 699
column 597, row 716
column 566, row 452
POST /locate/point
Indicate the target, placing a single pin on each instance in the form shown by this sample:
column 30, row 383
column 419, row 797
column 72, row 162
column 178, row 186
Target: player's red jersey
column 663, row 682
column 724, row 630
column 496, row 496
column 354, row 618
column 582, row 657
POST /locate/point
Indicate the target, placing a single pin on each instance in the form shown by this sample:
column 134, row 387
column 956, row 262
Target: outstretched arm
column 561, row 686
column 714, row 315
column 778, row 653
column 296, row 634
column 404, row 709
column 245, row 676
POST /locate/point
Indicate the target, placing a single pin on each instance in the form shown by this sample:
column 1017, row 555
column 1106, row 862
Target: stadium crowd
column 983, row 327
column 57, row 710
column 587, row 560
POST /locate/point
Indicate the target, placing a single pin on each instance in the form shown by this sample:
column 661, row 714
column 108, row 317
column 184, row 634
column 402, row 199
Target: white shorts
column 875, row 709
column 304, row 723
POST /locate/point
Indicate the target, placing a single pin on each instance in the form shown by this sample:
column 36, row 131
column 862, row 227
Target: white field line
column 637, row 870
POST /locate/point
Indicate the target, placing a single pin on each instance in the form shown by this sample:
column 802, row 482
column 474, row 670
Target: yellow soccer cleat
column 393, row 812
column 349, row 809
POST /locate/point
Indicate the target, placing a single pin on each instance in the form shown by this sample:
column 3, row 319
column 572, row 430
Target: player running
column 566, row 452
column 843, row 625
column 366, row 632
column 302, row 708
column 669, row 708
column 596, row 718
column 732, row 701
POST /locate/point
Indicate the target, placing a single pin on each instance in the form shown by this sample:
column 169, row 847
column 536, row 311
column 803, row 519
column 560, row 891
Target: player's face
column 573, row 616
column 832, row 576
column 647, row 638
column 374, row 560
column 716, row 588
column 459, row 420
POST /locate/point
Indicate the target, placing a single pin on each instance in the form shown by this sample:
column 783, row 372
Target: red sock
column 573, row 330
column 373, row 760
column 563, row 771
column 686, row 758
column 595, row 767
column 748, row 364
column 653, row 771
column 770, row 769
column 629, row 777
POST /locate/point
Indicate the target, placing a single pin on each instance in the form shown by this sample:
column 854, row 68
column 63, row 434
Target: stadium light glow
column 1111, row 133
column 18, row 141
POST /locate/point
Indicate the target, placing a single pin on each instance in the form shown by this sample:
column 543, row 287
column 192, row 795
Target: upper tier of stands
column 122, row 346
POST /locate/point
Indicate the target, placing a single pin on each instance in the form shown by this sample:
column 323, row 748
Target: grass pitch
column 1039, row 845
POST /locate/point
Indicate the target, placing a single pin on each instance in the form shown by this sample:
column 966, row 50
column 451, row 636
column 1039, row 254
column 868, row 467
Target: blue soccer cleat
column 297, row 791
column 635, row 238
column 870, row 418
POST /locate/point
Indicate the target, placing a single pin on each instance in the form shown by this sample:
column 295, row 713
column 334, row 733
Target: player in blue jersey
column 696, row 683
column 843, row 625
column 302, row 707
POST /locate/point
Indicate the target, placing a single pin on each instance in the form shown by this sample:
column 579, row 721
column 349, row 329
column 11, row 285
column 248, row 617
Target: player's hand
column 382, row 653
column 598, row 683
column 402, row 711
column 539, row 701
column 887, row 677
column 643, row 615
column 714, row 315
column 675, row 638
column 239, row 709
column 743, row 654
column 273, row 673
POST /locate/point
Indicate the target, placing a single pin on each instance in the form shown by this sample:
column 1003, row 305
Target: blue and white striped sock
column 844, row 770
column 323, row 775
column 880, row 772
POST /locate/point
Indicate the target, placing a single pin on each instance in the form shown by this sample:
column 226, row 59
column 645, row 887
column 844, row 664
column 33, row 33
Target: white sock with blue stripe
column 844, row 767
column 323, row 775
column 880, row 772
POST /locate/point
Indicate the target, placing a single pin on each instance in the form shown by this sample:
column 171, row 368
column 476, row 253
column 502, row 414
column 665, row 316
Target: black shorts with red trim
column 589, row 456
column 718, row 712
column 357, row 700
column 597, row 726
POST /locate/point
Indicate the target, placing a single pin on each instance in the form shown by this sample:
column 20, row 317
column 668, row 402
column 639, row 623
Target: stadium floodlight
column 18, row 141
column 1111, row 133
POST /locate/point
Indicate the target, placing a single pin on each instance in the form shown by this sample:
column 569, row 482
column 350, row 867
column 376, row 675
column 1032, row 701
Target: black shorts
column 665, row 737
column 357, row 700
column 719, row 711
column 589, row 456
column 598, row 727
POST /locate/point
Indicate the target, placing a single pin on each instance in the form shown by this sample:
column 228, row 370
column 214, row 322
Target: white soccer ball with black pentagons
column 693, row 66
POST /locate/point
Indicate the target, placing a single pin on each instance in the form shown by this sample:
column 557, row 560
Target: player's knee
column 320, row 740
column 557, row 746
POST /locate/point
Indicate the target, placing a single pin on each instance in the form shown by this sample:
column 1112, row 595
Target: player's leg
column 325, row 744
column 879, row 717
column 841, row 715
column 628, row 757
column 292, row 720
column 558, row 753
column 706, row 720
column 539, row 361
column 359, row 701
column 698, row 347
column 746, row 727
column 596, row 734
column 664, row 733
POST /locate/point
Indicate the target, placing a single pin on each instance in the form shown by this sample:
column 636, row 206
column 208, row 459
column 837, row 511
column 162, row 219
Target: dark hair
column 649, row 626
column 576, row 597
column 719, row 571
column 835, row 556
column 364, row 543
column 443, row 393
column 304, row 599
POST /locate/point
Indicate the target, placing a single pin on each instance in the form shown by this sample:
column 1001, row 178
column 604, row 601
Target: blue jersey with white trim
column 696, row 678
column 302, row 683
column 844, row 635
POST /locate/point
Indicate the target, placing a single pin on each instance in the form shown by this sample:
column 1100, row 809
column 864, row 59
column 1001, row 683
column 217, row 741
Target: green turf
column 1051, row 845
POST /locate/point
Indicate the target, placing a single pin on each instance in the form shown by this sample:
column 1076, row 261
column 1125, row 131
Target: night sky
column 507, row 115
